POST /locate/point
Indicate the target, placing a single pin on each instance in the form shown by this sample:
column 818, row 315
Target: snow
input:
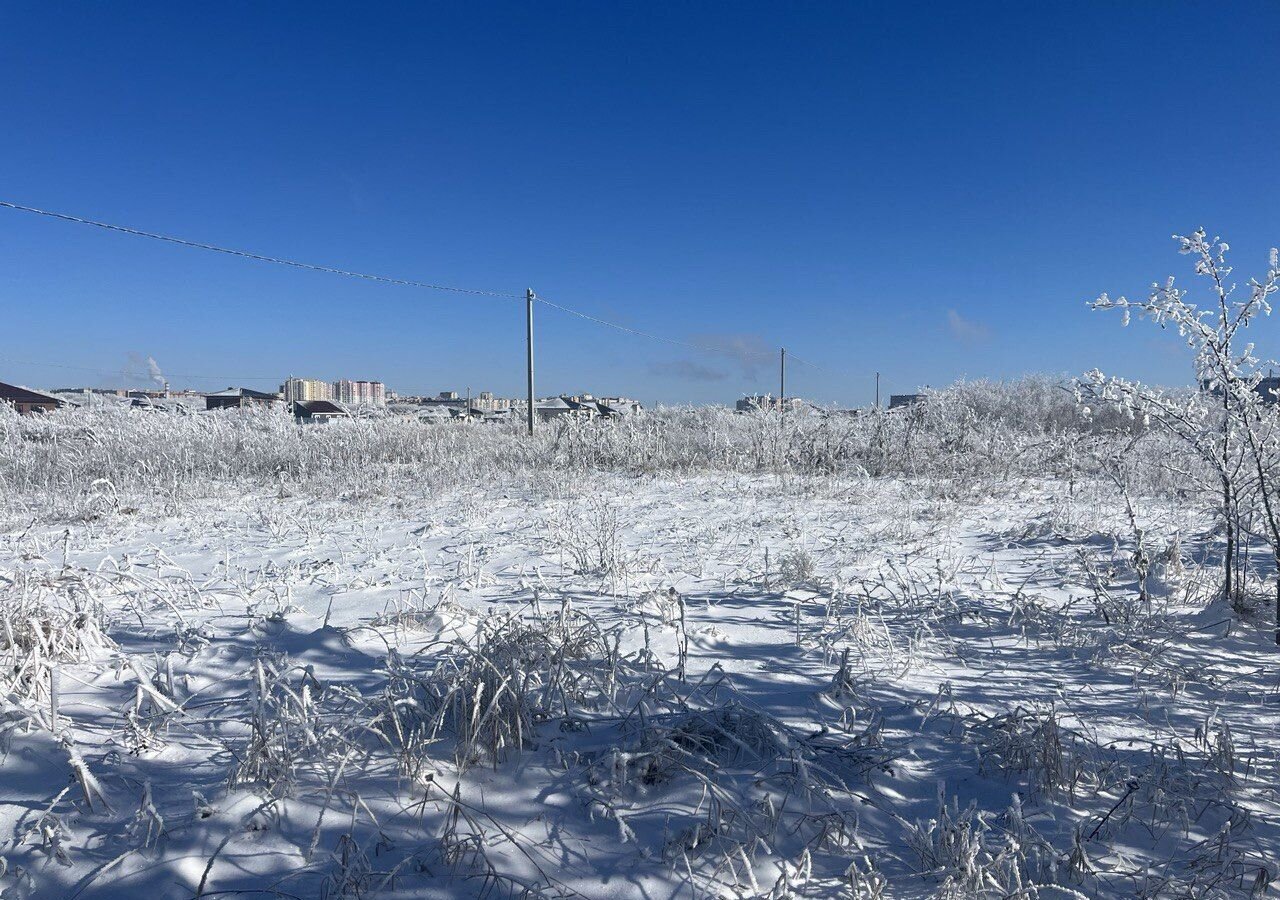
column 698, row 685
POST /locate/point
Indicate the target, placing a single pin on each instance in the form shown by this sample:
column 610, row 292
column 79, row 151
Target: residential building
column 359, row 393
column 490, row 404
column 304, row 390
column 577, row 406
column 899, row 400
column 619, row 406
column 234, row 398
column 27, row 401
column 553, row 408
column 318, row 411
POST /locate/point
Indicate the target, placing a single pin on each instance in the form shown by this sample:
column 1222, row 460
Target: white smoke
column 138, row 369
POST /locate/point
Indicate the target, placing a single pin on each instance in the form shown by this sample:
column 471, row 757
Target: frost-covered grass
column 85, row 463
column 694, row 655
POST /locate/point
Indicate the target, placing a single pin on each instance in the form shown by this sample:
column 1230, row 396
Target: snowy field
column 722, row 680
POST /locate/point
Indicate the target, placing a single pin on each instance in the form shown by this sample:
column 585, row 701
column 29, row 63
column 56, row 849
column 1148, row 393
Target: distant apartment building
column 345, row 391
column 305, row 390
column 482, row 403
column 486, row 402
column 359, row 393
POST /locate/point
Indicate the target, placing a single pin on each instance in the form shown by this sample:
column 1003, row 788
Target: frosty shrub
column 1231, row 424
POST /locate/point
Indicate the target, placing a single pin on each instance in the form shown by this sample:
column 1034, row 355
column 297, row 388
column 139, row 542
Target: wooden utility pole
column 782, row 381
column 528, row 312
column 877, row 390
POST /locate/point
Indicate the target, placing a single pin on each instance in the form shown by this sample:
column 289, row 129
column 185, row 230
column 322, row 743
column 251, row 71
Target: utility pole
column 782, row 382
column 528, row 312
column 877, row 390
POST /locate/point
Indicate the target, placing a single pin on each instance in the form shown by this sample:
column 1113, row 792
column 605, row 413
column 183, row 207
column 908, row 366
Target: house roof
column 319, row 407
column 18, row 394
column 248, row 393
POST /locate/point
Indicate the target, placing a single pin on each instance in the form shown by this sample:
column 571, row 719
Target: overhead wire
column 246, row 254
column 707, row 348
column 791, row 357
column 738, row 352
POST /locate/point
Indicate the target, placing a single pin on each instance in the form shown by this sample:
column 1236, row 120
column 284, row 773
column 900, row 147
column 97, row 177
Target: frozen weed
column 972, row 854
column 295, row 721
column 493, row 691
column 47, row 619
column 1034, row 743
column 591, row 535
column 797, row 568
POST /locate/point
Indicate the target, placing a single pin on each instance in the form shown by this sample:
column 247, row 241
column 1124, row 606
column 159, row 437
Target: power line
column 805, row 362
column 332, row 270
column 737, row 352
column 385, row 279
column 827, row 370
column 708, row 348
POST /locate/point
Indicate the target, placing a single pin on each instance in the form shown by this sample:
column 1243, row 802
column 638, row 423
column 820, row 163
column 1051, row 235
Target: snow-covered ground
column 608, row 686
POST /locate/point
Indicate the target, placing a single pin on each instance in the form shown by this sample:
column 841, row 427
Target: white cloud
column 965, row 330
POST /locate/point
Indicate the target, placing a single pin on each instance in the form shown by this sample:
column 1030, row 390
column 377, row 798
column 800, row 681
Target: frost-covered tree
column 1228, row 422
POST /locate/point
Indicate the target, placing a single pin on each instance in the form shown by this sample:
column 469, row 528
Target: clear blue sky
column 926, row 191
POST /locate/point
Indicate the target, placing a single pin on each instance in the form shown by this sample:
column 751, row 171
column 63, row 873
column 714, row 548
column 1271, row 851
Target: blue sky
column 929, row 191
